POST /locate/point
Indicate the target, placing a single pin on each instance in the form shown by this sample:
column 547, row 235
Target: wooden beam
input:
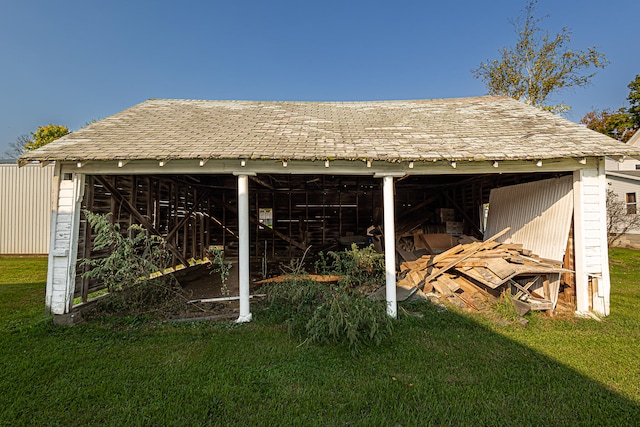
column 255, row 221
column 261, row 182
column 145, row 223
column 187, row 216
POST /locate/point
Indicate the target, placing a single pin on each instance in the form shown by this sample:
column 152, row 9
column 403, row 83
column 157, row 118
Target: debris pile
column 471, row 274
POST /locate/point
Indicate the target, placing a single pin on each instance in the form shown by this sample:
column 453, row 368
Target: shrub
column 126, row 271
column 321, row 313
column 132, row 258
column 359, row 268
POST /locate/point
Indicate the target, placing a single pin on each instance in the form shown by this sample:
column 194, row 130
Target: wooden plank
column 451, row 284
column 523, row 289
column 501, row 267
column 476, row 275
column 451, row 252
column 540, row 304
column 442, row 288
column 522, row 307
column 472, row 263
column 314, row 277
column 473, row 248
column 470, row 287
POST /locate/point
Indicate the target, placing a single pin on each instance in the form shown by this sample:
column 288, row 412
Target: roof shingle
column 480, row 128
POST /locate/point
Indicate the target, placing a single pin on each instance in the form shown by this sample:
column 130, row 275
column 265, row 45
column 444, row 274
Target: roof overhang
column 324, row 167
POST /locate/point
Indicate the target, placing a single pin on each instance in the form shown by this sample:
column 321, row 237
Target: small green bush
column 320, row 313
column 359, row 268
column 126, row 270
column 132, row 258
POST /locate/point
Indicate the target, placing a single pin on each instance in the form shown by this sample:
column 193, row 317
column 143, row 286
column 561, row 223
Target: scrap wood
column 501, row 267
column 469, row 303
column 441, row 287
column 474, row 247
column 191, row 263
column 471, row 288
column 315, row 277
column 412, row 279
column 450, row 283
column 523, row 289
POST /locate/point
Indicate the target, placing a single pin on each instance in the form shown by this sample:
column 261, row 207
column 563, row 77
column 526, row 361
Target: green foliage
column 506, row 308
column 324, row 314
column 128, row 270
column 222, row 268
column 634, row 101
column 132, row 258
column 621, row 124
column 539, row 64
column 350, row 321
column 44, row 135
column 358, row 267
column 616, row 124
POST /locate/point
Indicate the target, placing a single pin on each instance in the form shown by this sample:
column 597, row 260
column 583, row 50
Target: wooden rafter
column 134, row 212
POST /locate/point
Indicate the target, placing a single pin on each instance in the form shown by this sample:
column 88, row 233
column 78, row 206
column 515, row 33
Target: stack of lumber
column 487, row 267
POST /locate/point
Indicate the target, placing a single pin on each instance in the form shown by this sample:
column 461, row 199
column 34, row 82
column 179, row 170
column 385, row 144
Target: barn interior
column 289, row 214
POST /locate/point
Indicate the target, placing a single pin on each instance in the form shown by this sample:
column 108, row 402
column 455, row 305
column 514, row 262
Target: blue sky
column 70, row 62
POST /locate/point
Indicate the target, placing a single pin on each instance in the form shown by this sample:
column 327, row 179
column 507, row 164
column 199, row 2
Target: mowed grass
column 440, row 368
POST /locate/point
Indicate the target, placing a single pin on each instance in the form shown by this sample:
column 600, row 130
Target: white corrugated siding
column 25, row 209
column 539, row 214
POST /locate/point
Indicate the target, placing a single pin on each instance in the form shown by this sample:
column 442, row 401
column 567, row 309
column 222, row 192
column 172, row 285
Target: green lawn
column 439, row 368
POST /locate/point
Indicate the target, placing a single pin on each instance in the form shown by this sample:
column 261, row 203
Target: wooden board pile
column 487, row 268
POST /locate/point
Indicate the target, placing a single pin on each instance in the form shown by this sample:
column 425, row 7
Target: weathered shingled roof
column 480, row 128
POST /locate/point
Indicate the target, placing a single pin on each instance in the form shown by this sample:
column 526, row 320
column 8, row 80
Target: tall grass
column 440, row 367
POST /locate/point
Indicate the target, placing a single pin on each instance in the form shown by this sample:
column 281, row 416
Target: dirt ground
column 201, row 283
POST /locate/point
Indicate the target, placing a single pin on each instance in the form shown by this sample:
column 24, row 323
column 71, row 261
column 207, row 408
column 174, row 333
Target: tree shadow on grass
column 440, row 368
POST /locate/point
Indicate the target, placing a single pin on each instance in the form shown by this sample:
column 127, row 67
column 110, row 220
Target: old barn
column 267, row 180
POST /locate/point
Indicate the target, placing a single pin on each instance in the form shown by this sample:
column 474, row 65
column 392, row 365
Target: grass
column 440, row 367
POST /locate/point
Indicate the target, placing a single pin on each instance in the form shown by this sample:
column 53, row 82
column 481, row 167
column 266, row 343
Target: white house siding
column 64, row 237
column 25, row 209
column 621, row 186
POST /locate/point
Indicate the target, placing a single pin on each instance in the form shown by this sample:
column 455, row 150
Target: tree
column 620, row 124
column 634, row 101
column 616, row 124
column 619, row 219
column 539, row 64
column 44, row 135
column 16, row 148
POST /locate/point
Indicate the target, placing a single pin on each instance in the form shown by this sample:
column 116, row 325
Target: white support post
column 243, row 247
column 63, row 247
column 390, row 246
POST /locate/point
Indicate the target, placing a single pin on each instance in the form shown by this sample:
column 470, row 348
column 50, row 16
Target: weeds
column 319, row 313
column 128, row 269
column 359, row 268
column 222, row 268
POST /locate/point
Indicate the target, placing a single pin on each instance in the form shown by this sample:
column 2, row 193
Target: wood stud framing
column 194, row 213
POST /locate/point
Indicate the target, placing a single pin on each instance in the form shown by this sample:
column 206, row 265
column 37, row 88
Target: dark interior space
column 288, row 213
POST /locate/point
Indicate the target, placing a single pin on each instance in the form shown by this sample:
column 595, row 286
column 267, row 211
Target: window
column 631, row 203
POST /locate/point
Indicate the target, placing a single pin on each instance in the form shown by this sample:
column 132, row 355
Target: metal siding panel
column 25, row 209
column 539, row 214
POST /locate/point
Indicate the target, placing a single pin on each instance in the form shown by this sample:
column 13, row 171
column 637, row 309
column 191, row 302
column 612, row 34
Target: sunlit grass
column 440, row 367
